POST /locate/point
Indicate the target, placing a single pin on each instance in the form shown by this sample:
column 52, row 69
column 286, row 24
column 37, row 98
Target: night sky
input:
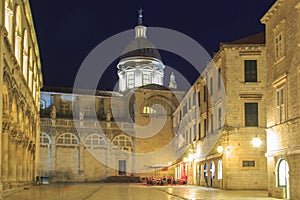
column 67, row 30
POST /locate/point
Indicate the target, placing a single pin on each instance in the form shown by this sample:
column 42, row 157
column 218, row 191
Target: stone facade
column 283, row 64
column 92, row 137
column 214, row 125
column 20, row 80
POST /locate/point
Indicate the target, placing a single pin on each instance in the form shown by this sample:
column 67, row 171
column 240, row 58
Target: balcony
column 68, row 123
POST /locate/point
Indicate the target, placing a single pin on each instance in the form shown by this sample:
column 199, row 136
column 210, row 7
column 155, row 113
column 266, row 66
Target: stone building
column 283, row 64
column 90, row 135
column 20, row 80
column 221, row 116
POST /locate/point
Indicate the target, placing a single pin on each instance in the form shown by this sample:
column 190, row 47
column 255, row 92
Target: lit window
column 153, row 106
column 130, row 81
column 251, row 114
column 220, row 170
column 146, row 79
column 250, row 70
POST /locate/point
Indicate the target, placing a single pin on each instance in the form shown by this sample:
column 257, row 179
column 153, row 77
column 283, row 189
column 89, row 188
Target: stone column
column 3, row 34
column 4, row 160
column 11, row 161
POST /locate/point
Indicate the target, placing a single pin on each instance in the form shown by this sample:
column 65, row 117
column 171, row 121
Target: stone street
column 96, row 191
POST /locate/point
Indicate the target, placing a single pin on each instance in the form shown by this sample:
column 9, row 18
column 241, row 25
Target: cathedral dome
column 140, row 47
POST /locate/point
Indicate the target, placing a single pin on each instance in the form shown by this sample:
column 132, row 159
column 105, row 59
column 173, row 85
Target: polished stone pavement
column 131, row 192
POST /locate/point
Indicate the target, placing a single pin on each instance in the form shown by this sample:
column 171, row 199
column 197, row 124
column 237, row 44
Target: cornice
column 272, row 11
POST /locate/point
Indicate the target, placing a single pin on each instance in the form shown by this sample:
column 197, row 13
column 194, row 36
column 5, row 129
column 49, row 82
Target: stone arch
column 283, row 180
column 5, row 101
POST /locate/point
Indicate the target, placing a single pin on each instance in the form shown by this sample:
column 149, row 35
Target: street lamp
column 256, row 142
column 220, row 149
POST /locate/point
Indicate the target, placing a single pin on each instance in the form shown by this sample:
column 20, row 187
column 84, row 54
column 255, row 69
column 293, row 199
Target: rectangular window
column 146, row 79
column 250, row 70
column 205, row 127
column 211, row 85
column 251, row 114
column 195, row 132
column 199, row 131
column 204, row 93
column 219, row 118
column 130, row 81
column 64, row 108
column 191, row 134
column 248, row 163
column 279, row 46
column 280, row 105
column 89, row 110
column 199, row 98
column 219, row 77
column 211, row 123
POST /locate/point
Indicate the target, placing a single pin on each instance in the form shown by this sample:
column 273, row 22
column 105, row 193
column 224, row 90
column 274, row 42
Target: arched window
column 8, row 17
column 220, row 170
column 18, row 29
column 283, row 173
column 95, row 141
column 45, row 140
column 123, row 142
column 157, row 106
column 67, row 139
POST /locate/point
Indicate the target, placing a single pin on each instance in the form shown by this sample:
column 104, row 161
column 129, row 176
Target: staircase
column 122, row 179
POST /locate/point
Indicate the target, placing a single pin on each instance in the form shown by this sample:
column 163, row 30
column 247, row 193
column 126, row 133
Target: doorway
column 122, row 167
column 283, row 177
column 212, row 173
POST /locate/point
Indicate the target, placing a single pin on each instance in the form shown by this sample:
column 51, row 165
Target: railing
column 85, row 124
